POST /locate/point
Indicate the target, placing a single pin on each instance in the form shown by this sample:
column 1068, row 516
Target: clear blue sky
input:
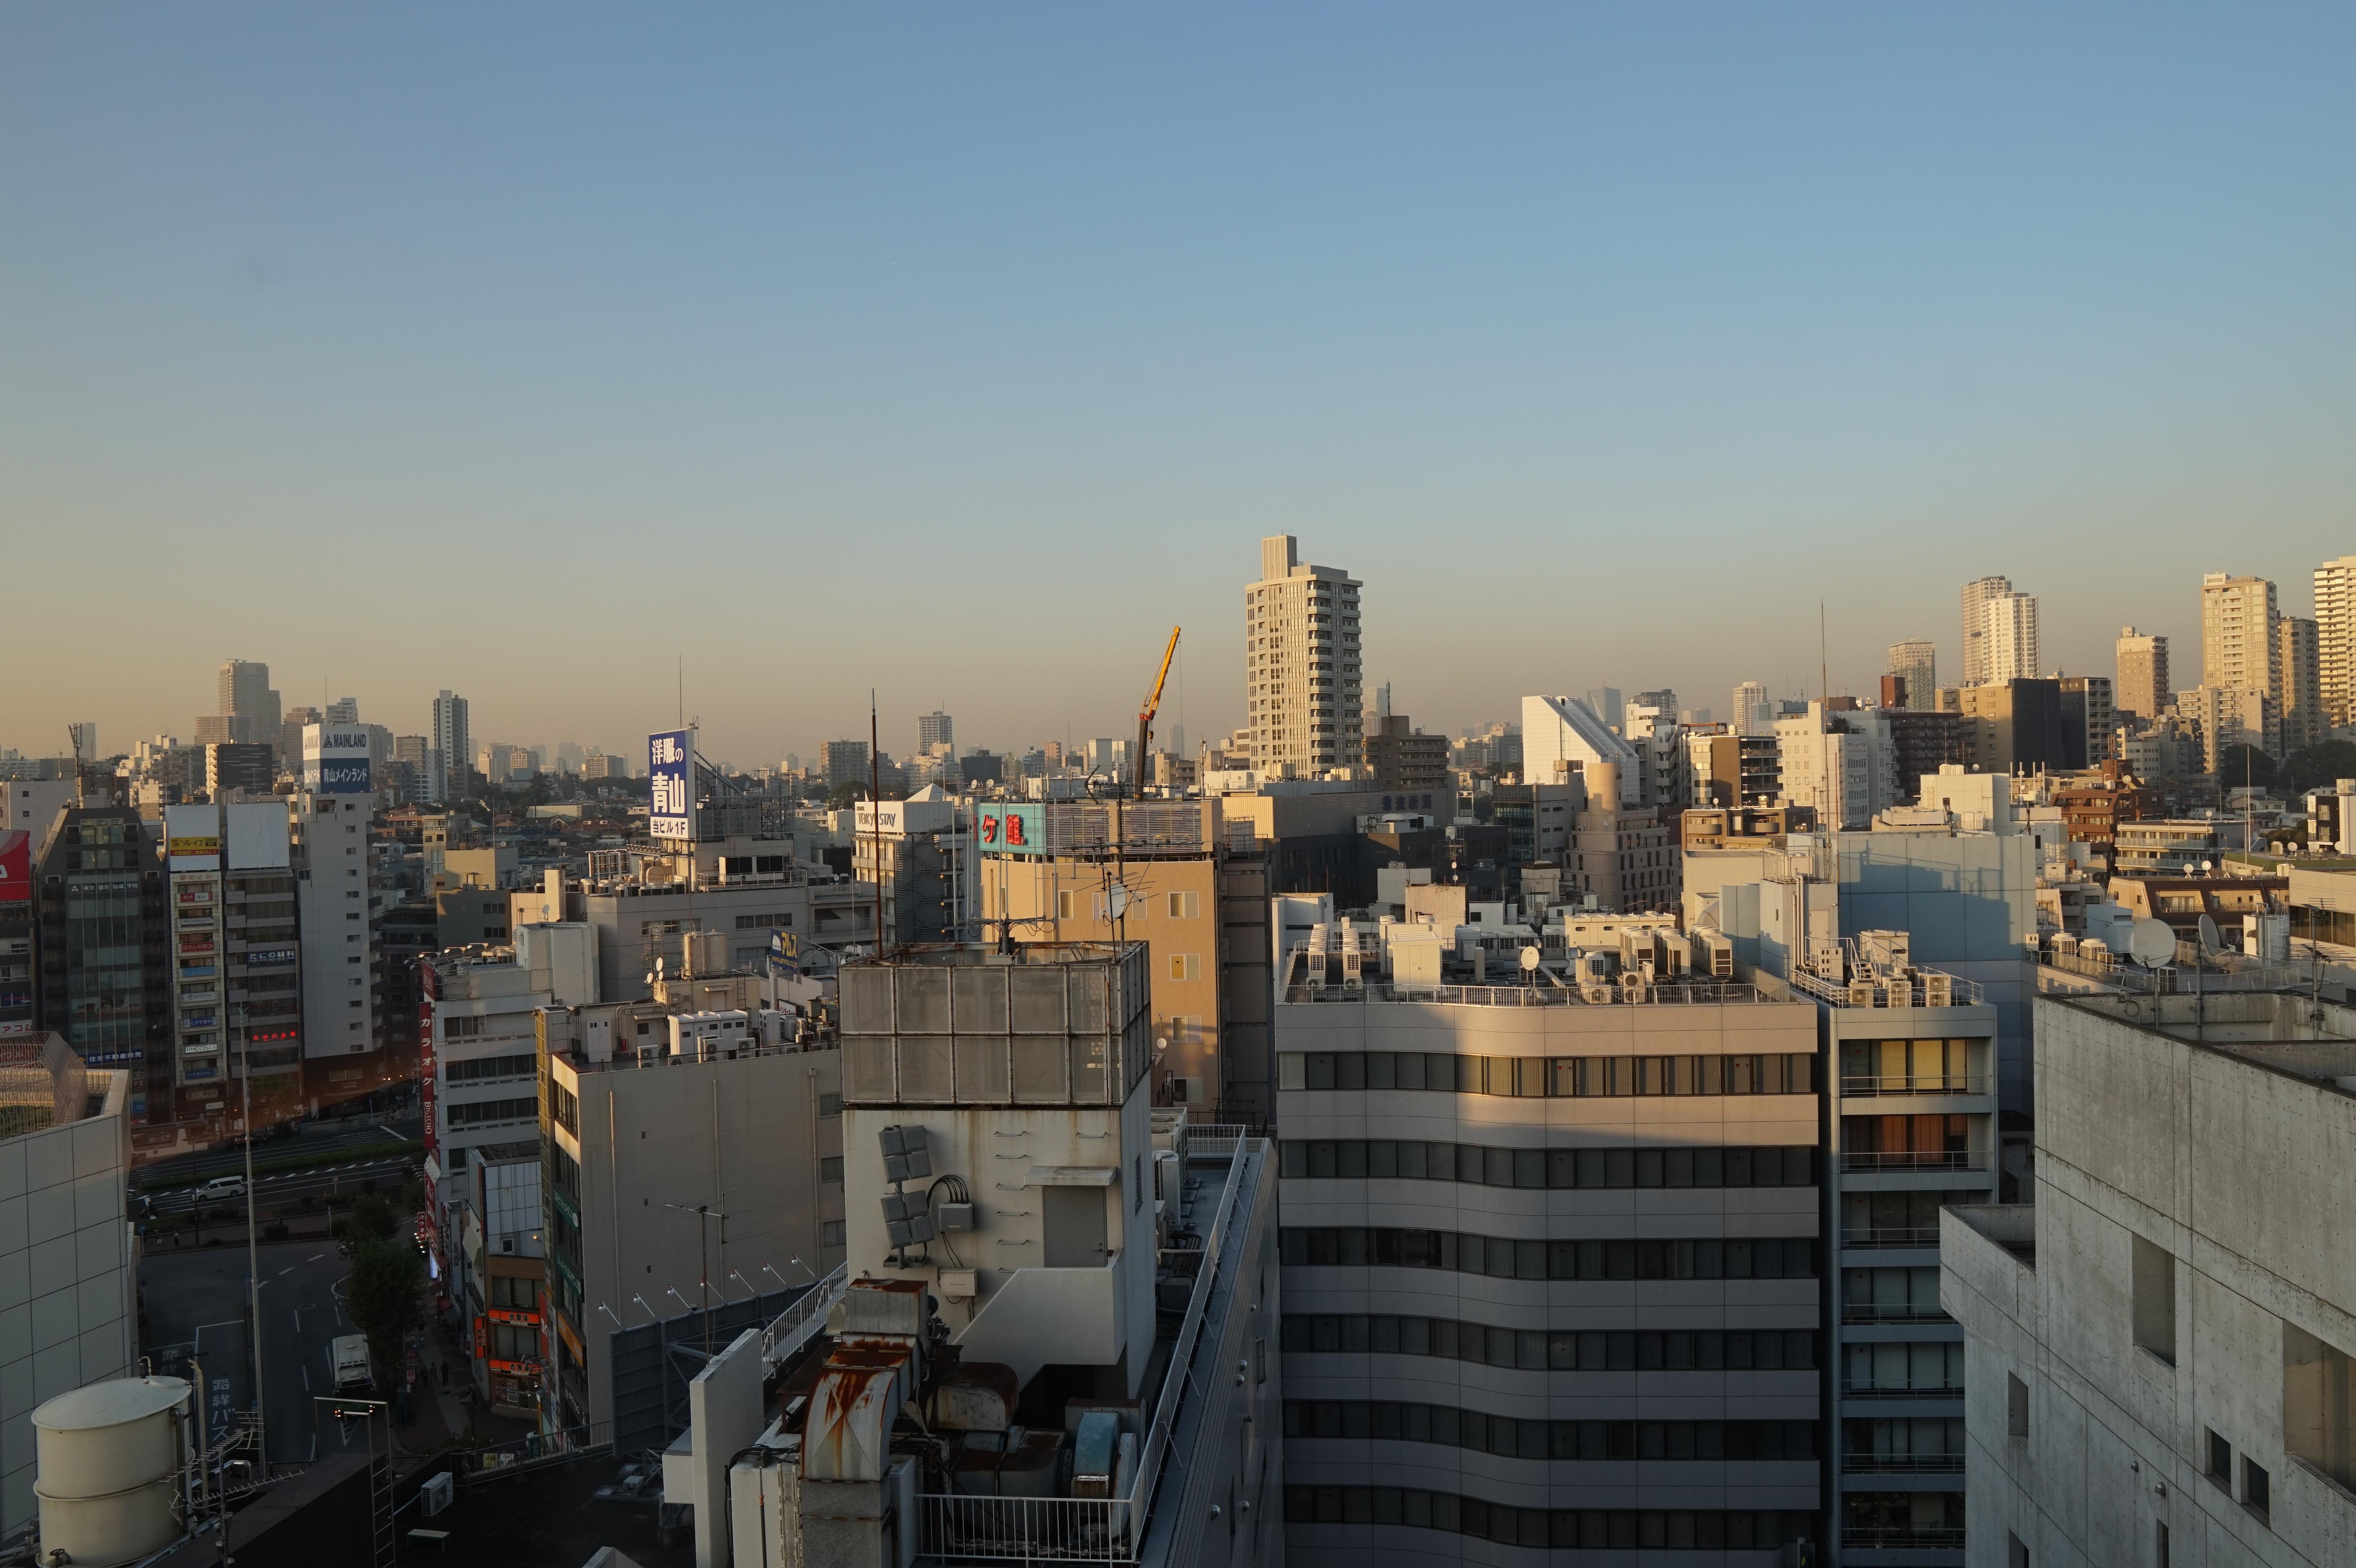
column 961, row 350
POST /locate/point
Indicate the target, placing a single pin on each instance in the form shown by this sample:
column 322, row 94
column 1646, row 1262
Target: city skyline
column 1773, row 312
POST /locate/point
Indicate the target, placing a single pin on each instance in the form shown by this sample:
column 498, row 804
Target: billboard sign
column 336, row 759
column 192, row 837
column 1005, row 828
column 15, row 867
column 670, row 783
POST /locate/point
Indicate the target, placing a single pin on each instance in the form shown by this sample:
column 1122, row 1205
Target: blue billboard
column 670, row 783
column 1005, row 828
column 336, row 759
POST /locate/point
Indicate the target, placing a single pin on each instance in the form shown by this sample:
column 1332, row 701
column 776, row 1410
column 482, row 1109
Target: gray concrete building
column 2158, row 1349
column 1551, row 1273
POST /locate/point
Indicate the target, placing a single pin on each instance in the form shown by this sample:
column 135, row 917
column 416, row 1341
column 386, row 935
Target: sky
column 569, row 357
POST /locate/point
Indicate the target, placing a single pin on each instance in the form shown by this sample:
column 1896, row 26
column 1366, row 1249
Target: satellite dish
column 2151, row 943
column 1120, row 901
column 2210, row 940
column 1529, row 960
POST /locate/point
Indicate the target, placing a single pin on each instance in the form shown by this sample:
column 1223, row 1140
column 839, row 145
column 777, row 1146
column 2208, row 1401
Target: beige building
column 1976, row 594
column 2301, row 685
column 1161, row 890
column 1916, row 662
column 1301, row 664
column 2143, row 689
column 2010, row 645
column 2227, row 717
column 2335, row 639
column 2238, row 650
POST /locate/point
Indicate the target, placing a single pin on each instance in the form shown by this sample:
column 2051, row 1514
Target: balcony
column 1886, row 1236
column 1893, row 1312
column 1903, row 1539
column 1901, row 1464
column 1867, row 1391
column 1933, row 1083
column 1919, row 1160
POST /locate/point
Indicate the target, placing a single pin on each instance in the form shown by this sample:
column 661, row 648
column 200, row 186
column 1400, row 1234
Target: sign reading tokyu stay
column 670, row 783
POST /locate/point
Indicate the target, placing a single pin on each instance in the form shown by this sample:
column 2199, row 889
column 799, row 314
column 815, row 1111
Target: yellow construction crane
column 1152, row 705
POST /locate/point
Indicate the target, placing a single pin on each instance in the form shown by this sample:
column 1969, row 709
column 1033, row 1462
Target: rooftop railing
column 1922, row 988
column 1549, row 996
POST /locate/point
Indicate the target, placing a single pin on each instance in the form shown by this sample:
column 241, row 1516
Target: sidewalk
column 437, row 1413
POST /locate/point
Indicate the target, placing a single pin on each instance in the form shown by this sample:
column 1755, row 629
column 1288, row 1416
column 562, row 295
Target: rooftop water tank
column 108, row 1469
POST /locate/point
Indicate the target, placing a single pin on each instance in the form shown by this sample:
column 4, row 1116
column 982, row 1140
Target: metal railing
column 1890, row 1236
column 529, row 1452
column 1892, row 1312
column 797, row 1324
column 1918, row 1159
column 1857, row 1391
column 1901, row 1464
column 1102, row 1530
column 1916, row 1083
column 1893, row 991
column 1598, row 994
column 1904, row 1540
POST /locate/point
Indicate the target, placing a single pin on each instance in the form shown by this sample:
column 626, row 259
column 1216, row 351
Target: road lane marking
column 287, row 1270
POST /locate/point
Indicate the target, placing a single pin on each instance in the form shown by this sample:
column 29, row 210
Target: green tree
column 843, row 794
column 385, row 1297
column 2240, row 765
column 372, row 1220
column 2316, row 766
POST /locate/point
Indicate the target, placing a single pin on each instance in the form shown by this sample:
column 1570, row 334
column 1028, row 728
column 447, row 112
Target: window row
column 486, row 1111
column 1499, row 1258
column 1536, row 1168
column 1559, row 1349
column 521, row 1066
column 1546, row 1077
column 1593, row 1529
column 1509, row 1437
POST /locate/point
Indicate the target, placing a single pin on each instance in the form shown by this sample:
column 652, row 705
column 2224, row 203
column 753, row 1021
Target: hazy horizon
column 960, row 354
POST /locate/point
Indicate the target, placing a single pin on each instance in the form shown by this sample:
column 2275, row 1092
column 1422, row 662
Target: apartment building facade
column 1302, row 660
column 1550, row 1276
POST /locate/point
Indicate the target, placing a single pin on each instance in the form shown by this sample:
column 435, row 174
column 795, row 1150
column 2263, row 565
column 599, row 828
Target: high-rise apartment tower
column 1916, row 662
column 1301, row 662
column 2143, row 689
column 2009, row 647
column 2296, row 655
column 453, row 749
column 2335, row 639
column 2237, row 634
column 1976, row 593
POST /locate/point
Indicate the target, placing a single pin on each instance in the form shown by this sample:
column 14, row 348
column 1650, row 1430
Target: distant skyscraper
column 1610, row 707
column 2009, row 644
column 1976, row 593
column 247, row 701
column 453, row 749
column 2335, row 639
column 2143, row 686
column 842, row 763
column 1302, row 663
column 344, row 711
column 935, row 729
column 2238, row 647
column 2302, row 683
column 1916, row 663
column 1749, row 716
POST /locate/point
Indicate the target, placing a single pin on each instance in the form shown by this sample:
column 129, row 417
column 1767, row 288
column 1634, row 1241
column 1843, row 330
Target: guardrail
column 1926, row 1159
column 1102, row 1530
column 1895, row 992
column 530, row 1452
column 1904, row 1540
column 1850, row 1391
column 1874, row 1312
column 797, row 1324
column 1890, row 1236
column 1917, row 1084
column 1694, row 993
column 1901, row 1464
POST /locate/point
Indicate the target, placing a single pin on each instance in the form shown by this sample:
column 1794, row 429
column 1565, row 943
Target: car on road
column 221, row 1187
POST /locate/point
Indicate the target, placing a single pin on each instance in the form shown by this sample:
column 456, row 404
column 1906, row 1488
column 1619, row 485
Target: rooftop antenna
column 875, row 813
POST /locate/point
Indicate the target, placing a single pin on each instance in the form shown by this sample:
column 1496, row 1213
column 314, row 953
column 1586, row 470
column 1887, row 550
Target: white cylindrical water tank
column 108, row 1469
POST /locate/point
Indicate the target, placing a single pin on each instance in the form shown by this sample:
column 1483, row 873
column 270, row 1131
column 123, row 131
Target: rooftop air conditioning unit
column 1601, row 995
column 1860, row 993
column 1938, row 990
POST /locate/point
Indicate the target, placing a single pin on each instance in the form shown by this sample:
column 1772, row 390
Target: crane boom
column 1152, row 705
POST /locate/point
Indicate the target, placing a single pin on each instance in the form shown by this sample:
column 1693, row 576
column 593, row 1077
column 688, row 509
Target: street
column 337, row 1181
column 315, row 1138
column 194, row 1302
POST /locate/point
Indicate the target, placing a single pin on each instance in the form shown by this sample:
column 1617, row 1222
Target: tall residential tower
column 1301, row 664
column 2143, row 689
column 1976, row 593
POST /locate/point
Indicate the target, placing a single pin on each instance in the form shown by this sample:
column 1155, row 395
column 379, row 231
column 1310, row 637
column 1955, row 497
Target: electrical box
column 957, row 1217
column 958, row 1284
